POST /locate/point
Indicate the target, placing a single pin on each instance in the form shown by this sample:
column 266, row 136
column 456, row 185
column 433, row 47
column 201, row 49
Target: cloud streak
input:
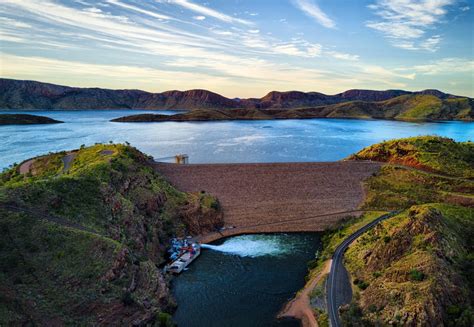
column 209, row 12
column 406, row 22
column 310, row 8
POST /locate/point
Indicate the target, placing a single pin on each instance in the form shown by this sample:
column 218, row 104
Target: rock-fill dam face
column 276, row 197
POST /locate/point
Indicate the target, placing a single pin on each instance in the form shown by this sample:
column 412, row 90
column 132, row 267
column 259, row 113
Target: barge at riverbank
column 183, row 252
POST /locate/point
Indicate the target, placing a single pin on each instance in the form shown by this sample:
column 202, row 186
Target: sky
column 241, row 48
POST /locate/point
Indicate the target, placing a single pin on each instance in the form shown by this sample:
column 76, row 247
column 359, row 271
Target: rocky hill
column 429, row 153
column 405, row 107
column 415, row 269
column 18, row 94
column 83, row 235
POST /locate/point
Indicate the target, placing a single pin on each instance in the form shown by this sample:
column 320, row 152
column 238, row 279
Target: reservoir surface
column 244, row 280
column 215, row 142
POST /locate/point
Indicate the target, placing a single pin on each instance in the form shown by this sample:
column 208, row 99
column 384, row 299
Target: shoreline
column 173, row 119
column 300, row 306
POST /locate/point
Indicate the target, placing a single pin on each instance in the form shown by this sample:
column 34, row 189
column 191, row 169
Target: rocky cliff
column 84, row 234
column 416, row 268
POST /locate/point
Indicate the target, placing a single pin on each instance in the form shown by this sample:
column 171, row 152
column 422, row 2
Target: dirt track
column 276, row 197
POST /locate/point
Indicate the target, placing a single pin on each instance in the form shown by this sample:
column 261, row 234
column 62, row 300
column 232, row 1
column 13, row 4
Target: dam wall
column 276, row 197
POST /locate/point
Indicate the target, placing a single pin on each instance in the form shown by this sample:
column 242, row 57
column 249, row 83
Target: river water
column 212, row 142
column 244, row 280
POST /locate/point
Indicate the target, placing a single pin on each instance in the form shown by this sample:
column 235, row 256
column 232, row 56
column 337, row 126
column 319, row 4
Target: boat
column 185, row 253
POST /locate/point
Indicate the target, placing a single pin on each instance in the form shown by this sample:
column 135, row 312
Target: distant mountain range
column 23, row 95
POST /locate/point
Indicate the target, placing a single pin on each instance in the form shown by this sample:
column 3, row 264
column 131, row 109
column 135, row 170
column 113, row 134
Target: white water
column 252, row 246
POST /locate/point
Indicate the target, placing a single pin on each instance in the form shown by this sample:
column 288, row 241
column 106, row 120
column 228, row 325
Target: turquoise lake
column 213, row 142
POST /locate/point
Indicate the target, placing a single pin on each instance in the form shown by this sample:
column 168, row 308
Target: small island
column 25, row 119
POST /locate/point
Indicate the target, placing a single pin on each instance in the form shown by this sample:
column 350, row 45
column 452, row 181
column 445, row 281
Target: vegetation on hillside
column 412, row 107
column 431, row 153
column 416, row 267
column 83, row 235
column 405, row 107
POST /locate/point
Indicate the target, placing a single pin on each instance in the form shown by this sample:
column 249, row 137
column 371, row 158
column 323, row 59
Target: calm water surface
column 212, row 142
column 244, row 280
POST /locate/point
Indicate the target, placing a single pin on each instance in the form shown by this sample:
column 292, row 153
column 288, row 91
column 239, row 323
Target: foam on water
column 252, row 246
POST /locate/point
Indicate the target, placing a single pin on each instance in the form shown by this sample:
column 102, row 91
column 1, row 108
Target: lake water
column 244, row 280
column 213, row 142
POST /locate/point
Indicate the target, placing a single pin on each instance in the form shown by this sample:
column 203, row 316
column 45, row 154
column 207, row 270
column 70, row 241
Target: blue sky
column 241, row 48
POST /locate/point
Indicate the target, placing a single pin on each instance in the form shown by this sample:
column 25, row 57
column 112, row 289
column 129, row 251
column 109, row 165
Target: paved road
column 338, row 285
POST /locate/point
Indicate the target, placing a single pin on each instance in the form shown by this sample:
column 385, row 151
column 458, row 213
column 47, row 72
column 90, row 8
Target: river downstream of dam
column 244, row 280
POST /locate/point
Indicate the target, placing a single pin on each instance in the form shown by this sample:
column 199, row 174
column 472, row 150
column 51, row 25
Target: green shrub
column 164, row 320
column 376, row 274
column 417, row 275
column 372, row 308
column 361, row 283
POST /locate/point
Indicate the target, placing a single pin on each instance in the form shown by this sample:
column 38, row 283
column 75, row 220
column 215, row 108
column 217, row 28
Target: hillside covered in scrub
column 428, row 153
column 356, row 103
column 419, row 107
column 83, row 235
column 415, row 268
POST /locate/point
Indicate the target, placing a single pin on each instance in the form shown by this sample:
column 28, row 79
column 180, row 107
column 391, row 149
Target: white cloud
column 310, row 8
column 465, row 8
column 431, row 44
column 445, row 66
column 140, row 10
column 406, row 22
column 93, row 10
column 13, row 23
column 4, row 36
column 209, row 12
column 199, row 17
column 342, row 56
column 223, row 33
column 379, row 71
column 305, row 50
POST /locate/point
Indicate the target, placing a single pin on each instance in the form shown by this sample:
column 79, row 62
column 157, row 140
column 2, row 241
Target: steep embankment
column 415, row 268
column 390, row 104
column 83, row 234
column 23, row 119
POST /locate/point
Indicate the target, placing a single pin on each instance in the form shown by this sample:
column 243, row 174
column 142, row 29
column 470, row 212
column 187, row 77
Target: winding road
column 338, row 284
